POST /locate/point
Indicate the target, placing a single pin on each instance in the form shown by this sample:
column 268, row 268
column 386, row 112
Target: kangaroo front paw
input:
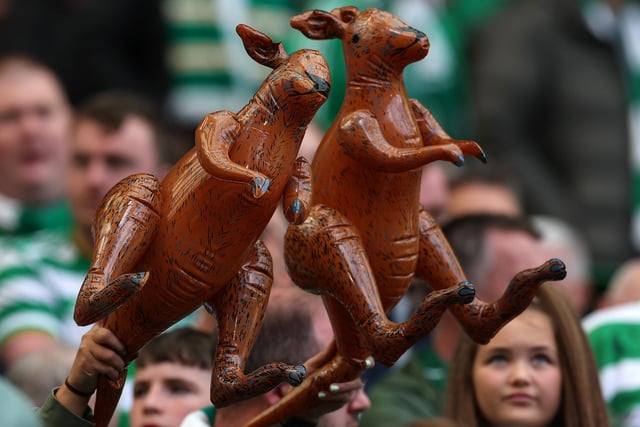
column 557, row 269
column 297, row 375
column 455, row 156
column 259, row 186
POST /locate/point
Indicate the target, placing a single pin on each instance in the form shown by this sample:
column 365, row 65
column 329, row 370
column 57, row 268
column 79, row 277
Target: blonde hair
column 582, row 402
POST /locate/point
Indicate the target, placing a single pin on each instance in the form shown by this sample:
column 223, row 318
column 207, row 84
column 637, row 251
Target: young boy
column 173, row 371
column 172, row 378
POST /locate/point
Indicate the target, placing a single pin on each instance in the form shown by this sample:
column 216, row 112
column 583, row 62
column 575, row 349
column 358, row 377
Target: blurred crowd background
column 549, row 88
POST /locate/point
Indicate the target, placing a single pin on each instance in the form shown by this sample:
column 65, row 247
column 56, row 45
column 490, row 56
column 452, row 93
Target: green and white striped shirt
column 614, row 334
column 40, row 277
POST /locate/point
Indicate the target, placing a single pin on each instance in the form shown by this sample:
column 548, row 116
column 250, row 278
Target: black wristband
column 297, row 422
column 75, row 391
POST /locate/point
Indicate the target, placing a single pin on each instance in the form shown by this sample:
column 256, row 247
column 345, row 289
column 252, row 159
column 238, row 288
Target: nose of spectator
column 360, row 402
column 96, row 175
column 152, row 401
column 31, row 124
column 519, row 374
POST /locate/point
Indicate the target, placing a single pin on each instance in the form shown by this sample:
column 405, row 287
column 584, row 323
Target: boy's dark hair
column 287, row 333
column 185, row 346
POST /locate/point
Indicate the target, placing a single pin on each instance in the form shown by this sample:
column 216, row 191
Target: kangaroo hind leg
column 240, row 309
column 124, row 227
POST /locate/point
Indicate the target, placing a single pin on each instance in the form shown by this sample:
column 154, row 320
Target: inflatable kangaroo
column 366, row 235
column 164, row 248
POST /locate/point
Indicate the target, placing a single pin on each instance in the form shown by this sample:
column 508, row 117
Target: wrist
column 71, row 401
column 78, row 392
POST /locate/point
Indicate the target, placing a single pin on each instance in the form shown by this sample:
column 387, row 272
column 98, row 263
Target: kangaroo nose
column 419, row 34
column 320, row 84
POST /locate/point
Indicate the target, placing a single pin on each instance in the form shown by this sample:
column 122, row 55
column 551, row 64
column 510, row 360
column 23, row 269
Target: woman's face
column 516, row 377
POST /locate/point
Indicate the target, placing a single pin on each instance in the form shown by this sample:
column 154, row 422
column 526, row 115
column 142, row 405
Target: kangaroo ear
column 321, row 25
column 346, row 14
column 261, row 48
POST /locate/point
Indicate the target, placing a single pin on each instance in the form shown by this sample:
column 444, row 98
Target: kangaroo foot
column 226, row 389
column 464, row 293
column 482, row 321
column 393, row 341
column 315, row 393
column 97, row 298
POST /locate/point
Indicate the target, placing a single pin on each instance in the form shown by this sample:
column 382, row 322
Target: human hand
column 337, row 396
column 100, row 353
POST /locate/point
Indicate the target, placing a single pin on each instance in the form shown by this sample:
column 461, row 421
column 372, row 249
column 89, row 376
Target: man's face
column 35, row 131
column 511, row 251
column 100, row 159
column 349, row 414
column 434, row 189
column 481, row 197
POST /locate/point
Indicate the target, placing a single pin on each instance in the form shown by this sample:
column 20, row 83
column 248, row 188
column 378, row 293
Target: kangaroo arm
column 296, row 199
column 433, row 134
column 428, row 125
column 361, row 138
column 214, row 136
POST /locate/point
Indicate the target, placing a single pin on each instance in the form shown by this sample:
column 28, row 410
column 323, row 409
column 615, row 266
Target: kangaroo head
column 299, row 83
column 369, row 34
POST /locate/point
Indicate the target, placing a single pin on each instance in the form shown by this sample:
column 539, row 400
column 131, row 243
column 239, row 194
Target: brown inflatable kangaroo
column 366, row 235
column 165, row 248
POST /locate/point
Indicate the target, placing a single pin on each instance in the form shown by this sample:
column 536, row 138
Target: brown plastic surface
column 366, row 236
column 163, row 248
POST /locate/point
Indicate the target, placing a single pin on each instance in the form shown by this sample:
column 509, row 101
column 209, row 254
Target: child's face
column 165, row 393
column 516, row 377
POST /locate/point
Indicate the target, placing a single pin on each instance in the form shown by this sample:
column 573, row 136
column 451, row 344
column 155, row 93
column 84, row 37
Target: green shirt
column 54, row 414
column 415, row 390
column 19, row 219
column 40, row 277
column 614, row 334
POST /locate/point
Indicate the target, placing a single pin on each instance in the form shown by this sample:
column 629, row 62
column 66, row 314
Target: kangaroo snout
column 320, row 85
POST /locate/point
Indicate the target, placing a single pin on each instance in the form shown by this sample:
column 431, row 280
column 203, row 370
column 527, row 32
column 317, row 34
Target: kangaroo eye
column 355, row 38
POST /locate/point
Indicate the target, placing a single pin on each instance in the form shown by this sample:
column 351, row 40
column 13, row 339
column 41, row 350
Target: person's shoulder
column 42, row 247
column 17, row 253
column 17, row 410
column 624, row 314
column 420, row 376
column 201, row 418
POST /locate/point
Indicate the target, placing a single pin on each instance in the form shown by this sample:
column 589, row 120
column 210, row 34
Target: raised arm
column 217, row 132
column 100, row 353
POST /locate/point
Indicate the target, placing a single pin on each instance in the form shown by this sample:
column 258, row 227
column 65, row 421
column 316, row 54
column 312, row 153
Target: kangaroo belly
column 394, row 264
